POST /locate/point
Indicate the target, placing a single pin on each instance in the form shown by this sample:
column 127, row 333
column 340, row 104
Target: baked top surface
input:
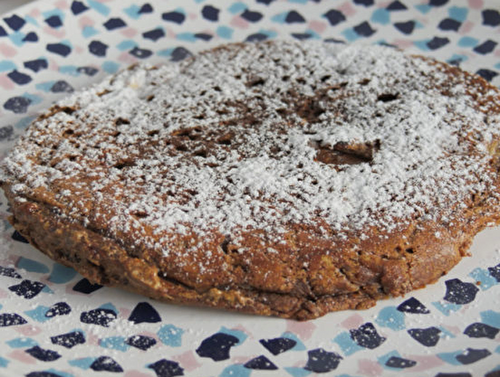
column 261, row 136
column 328, row 175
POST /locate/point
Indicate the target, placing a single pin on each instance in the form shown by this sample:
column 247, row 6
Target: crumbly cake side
column 279, row 178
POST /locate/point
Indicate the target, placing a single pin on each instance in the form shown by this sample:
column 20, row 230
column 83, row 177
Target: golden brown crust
column 354, row 276
column 298, row 270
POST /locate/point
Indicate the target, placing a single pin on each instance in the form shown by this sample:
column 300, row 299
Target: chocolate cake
column 279, row 178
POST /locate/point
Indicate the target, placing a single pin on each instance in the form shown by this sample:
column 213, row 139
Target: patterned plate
column 54, row 323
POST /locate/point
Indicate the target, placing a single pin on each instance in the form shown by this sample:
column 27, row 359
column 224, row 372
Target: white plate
column 57, row 46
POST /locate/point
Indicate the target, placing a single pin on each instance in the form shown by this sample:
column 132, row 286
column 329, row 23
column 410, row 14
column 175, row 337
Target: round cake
column 278, row 178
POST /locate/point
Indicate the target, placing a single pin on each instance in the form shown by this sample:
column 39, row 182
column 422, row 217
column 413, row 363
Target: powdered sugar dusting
column 261, row 136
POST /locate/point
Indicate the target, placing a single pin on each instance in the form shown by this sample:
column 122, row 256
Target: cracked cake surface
column 279, row 178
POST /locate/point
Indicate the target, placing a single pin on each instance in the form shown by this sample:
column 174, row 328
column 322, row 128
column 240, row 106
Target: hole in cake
column 150, row 98
column 123, row 164
column 364, row 82
column 285, row 78
column 410, row 250
column 226, row 139
column 68, row 132
column 309, row 132
column 140, row 214
column 222, row 111
column 224, row 245
column 191, row 192
column 181, row 147
column 120, row 121
column 116, row 134
column 325, row 78
column 344, row 271
column 387, row 97
column 217, row 88
column 338, row 86
column 170, row 278
column 201, row 153
column 72, row 158
column 255, row 81
column 301, row 80
column 153, row 132
column 345, row 153
column 68, row 110
column 282, row 111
